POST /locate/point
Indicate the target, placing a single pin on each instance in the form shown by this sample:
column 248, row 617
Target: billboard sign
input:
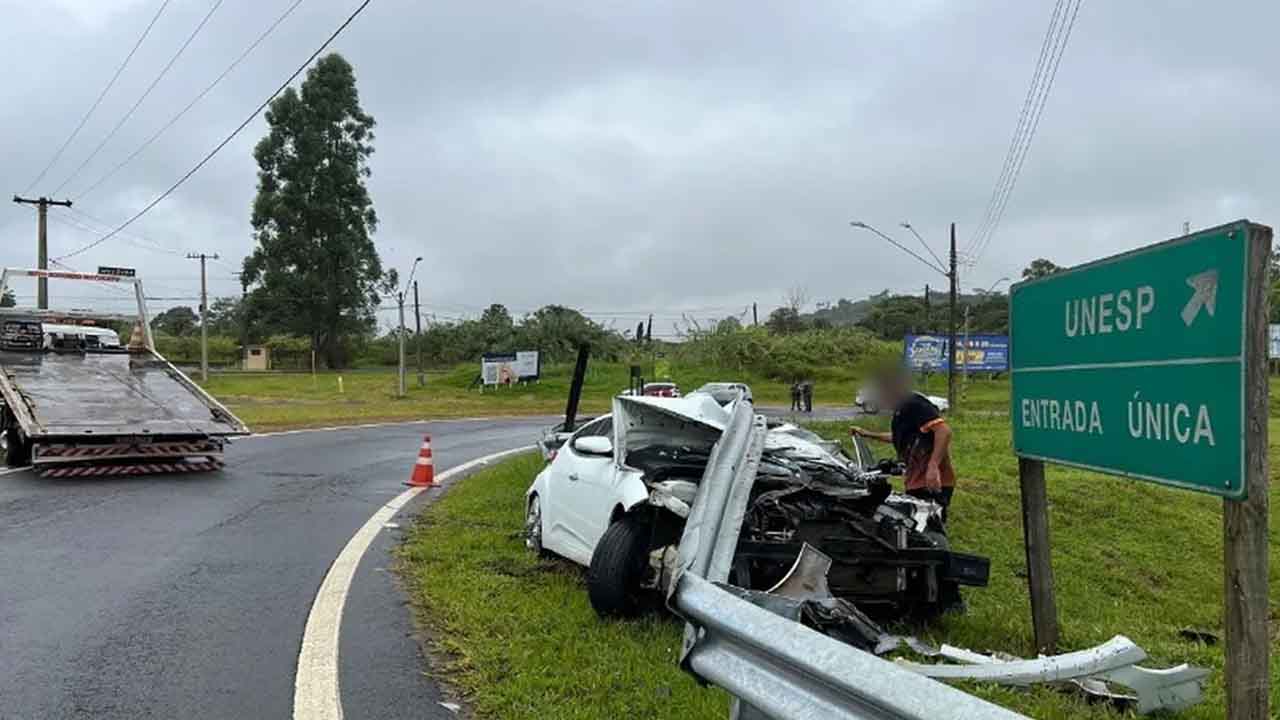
column 510, row 368
column 980, row 353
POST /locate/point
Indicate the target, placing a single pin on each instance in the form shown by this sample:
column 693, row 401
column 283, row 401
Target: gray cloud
column 670, row 155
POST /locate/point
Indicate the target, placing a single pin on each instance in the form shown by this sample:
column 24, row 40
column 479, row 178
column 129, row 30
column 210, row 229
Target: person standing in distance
column 921, row 438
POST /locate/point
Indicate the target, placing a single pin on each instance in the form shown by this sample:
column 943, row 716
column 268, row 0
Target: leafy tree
column 497, row 329
column 1039, row 268
column 315, row 271
column 730, row 324
column 784, row 321
column 226, row 316
column 177, row 321
column 1275, row 286
column 8, row 300
column 891, row 318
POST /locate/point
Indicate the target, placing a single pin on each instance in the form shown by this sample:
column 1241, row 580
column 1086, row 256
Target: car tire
column 17, row 449
column 617, row 568
column 533, row 527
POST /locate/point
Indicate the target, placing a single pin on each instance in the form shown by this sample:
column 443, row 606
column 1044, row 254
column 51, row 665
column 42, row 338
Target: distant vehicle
column 662, row 389
column 554, row 437
column 726, row 392
column 867, row 401
column 73, row 403
column 58, row 336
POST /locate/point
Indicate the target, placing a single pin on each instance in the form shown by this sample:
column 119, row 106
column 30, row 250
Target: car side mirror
column 594, row 445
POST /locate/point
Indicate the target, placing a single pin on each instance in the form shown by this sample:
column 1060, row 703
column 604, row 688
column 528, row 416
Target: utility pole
column 755, row 314
column 928, row 323
column 204, row 314
column 417, row 338
column 42, row 242
column 400, row 374
column 951, row 341
column 964, row 360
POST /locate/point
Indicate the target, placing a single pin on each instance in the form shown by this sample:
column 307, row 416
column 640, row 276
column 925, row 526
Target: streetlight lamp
column 952, row 276
column 400, row 297
column 994, row 284
column 906, row 225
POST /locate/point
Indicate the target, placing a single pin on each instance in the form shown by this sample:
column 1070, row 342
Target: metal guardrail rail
column 775, row 667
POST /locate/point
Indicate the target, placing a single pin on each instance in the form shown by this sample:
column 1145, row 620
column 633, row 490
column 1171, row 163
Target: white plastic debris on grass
column 1115, row 661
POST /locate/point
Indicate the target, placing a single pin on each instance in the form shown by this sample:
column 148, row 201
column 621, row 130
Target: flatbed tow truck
column 72, row 405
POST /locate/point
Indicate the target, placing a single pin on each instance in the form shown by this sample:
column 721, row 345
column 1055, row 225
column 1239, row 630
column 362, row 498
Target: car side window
column 602, row 427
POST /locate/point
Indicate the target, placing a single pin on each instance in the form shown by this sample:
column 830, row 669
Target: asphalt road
column 186, row 596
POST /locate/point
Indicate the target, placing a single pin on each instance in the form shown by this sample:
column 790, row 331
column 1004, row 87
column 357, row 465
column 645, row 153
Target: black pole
column 417, row 334
column 755, row 314
column 927, row 322
column 951, row 341
column 575, row 387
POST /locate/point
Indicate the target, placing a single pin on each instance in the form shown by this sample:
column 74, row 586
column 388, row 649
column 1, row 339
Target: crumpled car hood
column 694, row 421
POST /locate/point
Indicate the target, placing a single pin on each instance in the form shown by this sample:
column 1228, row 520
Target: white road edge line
column 316, row 693
column 10, row 471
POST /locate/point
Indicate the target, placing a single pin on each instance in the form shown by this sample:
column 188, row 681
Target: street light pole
column 951, row 341
column 400, row 373
column 400, row 389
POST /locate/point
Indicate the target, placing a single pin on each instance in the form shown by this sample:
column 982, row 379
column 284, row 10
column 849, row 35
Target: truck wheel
column 17, row 448
column 617, row 568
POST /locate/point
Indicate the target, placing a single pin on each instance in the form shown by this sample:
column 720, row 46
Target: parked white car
column 867, row 401
column 615, row 496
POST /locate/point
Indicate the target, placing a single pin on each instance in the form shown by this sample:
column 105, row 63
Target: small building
column 255, row 357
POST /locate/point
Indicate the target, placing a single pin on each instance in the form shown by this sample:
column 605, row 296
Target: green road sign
column 1136, row 364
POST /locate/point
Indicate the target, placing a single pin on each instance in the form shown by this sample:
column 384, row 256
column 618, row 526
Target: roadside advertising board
column 980, row 353
column 509, row 368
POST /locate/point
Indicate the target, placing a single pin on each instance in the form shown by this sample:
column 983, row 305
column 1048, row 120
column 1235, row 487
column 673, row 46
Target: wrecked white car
column 615, row 497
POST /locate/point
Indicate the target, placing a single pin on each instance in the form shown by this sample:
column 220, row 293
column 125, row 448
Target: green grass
column 517, row 633
column 1129, row 558
column 276, row 401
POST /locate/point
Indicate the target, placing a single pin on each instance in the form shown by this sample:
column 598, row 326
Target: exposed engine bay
column 889, row 551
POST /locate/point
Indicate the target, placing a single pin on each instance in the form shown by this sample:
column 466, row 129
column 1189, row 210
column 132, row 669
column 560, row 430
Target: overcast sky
column 661, row 156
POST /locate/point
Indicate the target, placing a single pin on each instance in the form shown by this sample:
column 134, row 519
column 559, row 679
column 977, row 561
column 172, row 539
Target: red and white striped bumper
column 59, row 453
column 77, row 471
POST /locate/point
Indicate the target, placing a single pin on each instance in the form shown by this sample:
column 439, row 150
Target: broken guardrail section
column 772, row 665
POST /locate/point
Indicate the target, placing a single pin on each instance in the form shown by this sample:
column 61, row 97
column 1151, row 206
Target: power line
column 208, row 88
column 1016, row 140
column 225, row 140
column 85, row 225
column 80, row 126
column 145, row 93
column 1026, row 147
column 1059, row 33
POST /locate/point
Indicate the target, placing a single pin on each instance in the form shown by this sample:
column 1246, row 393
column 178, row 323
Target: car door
column 577, row 488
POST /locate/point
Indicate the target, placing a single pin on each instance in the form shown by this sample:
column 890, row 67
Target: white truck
column 73, row 403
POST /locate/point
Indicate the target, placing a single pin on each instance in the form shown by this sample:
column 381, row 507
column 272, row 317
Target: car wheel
column 617, row 568
column 533, row 527
column 17, row 449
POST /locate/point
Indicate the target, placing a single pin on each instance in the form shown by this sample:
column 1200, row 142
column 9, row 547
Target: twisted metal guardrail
column 773, row 666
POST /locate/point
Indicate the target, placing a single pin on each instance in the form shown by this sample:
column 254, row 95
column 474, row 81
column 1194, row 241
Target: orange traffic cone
column 424, row 470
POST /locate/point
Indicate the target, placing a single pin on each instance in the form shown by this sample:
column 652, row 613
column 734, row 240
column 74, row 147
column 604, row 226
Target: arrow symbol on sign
column 1205, row 296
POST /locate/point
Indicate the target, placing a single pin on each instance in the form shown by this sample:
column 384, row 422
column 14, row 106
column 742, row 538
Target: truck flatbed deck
column 70, row 395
